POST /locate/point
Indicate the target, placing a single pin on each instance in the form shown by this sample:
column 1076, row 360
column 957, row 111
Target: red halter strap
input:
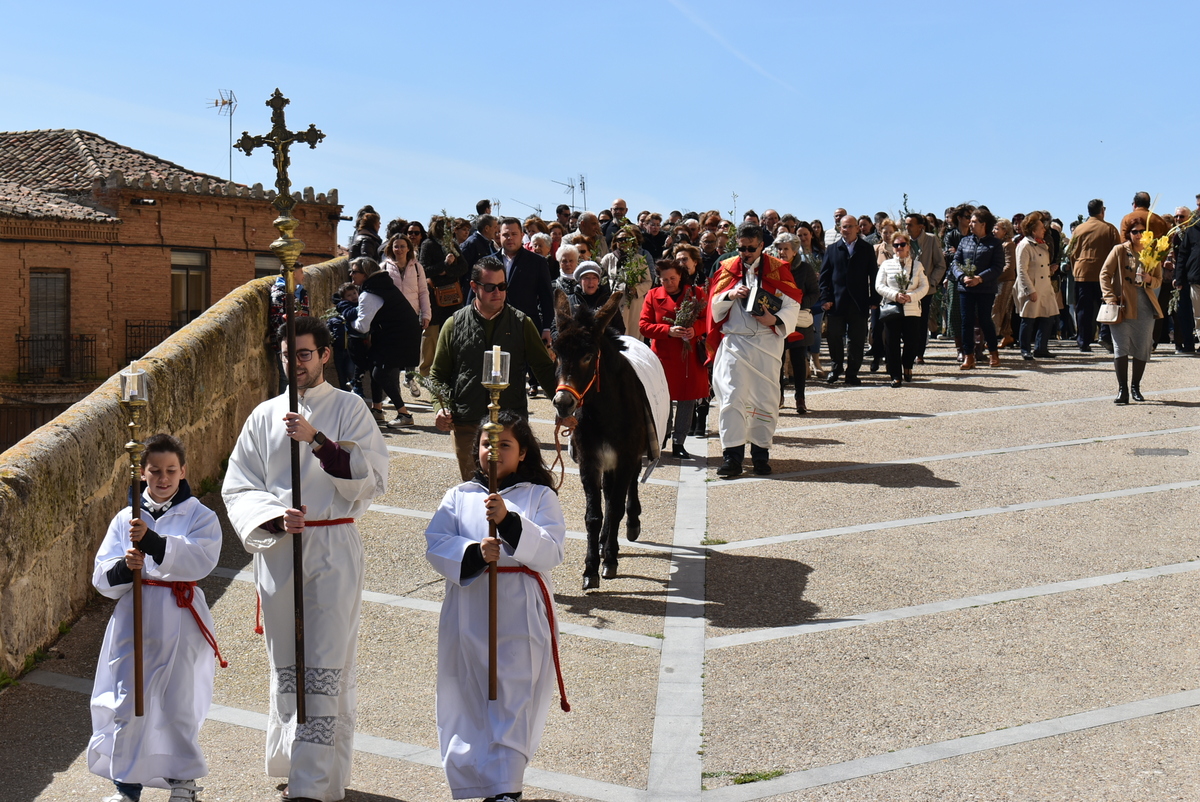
column 595, row 382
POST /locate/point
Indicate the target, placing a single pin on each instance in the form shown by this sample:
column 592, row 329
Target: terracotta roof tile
column 24, row 202
column 68, row 161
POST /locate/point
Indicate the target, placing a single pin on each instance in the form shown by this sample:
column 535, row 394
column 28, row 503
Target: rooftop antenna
column 496, row 207
column 733, row 214
column 225, row 106
column 570, row 187
column 536, row 209
column 583, row 189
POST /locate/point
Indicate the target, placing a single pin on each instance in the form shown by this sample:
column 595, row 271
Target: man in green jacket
column 458, row 363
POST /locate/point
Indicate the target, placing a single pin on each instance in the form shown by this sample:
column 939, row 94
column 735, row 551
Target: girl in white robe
column 486, row 745
column 160, row 749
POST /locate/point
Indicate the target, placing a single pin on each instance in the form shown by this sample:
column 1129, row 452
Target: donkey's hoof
column 610, row 571
column 633, row 531
column 591, row 581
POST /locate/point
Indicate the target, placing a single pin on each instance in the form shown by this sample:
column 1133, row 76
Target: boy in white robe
column 486, row 745
column 175, row 542
column 343, row 465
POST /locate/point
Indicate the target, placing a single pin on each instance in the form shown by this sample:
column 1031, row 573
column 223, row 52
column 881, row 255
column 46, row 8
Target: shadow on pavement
column 749, row 592
column 911, row 475
column 42, row 732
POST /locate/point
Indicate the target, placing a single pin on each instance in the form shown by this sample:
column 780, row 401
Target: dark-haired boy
column 175, row 542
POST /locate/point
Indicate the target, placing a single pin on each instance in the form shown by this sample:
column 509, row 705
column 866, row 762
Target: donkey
column 599, row 387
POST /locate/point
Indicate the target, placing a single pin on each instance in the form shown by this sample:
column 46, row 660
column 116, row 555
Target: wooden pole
column 139, row 680
column 493, row 458
column 289, row 309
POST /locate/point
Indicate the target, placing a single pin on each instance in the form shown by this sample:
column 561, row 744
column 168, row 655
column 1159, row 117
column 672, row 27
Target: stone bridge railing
column 62, row 484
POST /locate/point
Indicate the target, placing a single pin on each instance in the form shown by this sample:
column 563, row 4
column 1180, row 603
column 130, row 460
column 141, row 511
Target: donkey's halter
column 595, row 382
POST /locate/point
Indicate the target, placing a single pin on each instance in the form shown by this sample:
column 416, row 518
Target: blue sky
column 671, row 104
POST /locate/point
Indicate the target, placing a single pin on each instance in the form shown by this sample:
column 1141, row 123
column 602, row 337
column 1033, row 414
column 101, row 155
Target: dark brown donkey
column 598, row 386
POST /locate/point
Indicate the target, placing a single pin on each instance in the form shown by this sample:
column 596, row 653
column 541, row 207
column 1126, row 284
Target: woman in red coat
column 677, row 340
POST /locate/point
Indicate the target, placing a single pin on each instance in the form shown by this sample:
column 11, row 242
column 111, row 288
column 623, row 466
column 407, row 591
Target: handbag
column 450, row 295
column 890, row 310
column 1111, row 313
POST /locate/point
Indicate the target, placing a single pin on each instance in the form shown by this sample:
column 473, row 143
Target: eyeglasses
column 414, row 232
column 747, row 248
column 501, row 287
column 302, row 354
column 900, row 244
column 1137, row 231
column 359, row 272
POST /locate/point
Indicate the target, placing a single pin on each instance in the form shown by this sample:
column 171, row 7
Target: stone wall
column 61, row 485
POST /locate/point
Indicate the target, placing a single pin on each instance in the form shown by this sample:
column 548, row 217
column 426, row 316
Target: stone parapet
column 62, row 484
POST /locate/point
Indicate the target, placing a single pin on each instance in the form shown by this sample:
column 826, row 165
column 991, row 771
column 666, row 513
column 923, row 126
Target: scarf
column 774, row 276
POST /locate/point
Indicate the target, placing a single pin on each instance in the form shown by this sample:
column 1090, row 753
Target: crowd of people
column 872, row 290
column 729, row 310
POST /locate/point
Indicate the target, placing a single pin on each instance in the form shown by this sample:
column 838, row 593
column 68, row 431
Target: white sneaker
column 184, row 791
column 413, row 386
column 117, row 797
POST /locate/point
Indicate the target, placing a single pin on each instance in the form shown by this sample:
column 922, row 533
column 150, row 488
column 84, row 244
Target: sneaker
column 402, row 419
column 117, row 797
column 413, row 386
column 377, row 414
column 184, row 791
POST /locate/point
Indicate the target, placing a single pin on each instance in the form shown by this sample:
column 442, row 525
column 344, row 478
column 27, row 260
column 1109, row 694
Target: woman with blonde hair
column 1034, row 290
column 902, row 283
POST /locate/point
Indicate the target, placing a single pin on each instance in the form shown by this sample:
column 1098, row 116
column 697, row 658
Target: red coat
column 687, row 377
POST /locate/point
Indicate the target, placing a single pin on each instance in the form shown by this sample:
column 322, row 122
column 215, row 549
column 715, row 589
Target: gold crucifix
column 287, row 247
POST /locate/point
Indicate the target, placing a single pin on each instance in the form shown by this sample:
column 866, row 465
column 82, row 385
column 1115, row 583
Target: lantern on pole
column 135, row 394
column 495, row 379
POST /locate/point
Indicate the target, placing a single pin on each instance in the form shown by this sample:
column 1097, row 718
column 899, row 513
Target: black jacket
column 474, row 248
column 1187, row 257
column 529, row 288
column 365, row 243
column 848, row 282
column 395, row 329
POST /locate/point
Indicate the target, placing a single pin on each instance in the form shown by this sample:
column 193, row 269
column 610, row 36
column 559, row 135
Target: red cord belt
column 521, row 569
column 185, row 594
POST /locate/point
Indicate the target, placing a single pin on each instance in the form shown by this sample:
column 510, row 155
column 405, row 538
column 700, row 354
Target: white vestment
column 177, row 660
column 745, row 373
column 316, row 756
column 486, row 745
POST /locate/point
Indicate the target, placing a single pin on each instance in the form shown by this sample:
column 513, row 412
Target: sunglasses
column 501, row 287
column 747, row 248
column 1138, row 231
column 901, row 244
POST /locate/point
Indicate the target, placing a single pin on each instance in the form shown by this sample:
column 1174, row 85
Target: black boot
column 1135, row 387
column 700, row 420
column 732, row 466
column 761, row 459
column 1121, row 364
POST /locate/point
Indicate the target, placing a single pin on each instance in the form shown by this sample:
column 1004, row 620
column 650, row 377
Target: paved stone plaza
column 982, row 586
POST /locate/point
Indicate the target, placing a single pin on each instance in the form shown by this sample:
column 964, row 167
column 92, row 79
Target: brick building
column 104, row 250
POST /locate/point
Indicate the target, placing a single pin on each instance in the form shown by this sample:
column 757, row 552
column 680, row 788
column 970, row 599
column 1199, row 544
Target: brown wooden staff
column 139, row 684
column 289, row 309
column 495, row 379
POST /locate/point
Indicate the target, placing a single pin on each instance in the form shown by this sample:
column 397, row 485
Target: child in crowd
column 177, row 541
column 487, row 745
column 345, row 301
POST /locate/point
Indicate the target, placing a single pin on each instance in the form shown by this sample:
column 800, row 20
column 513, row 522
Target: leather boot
column 1121, row 365
column 1135, row 388
column 993, row 359
column 968, row 362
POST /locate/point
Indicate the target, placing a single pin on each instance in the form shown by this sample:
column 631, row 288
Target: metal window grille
column 56, row 357
column 143, row 335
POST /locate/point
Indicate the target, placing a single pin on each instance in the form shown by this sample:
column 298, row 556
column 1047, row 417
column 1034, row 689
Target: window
column 49, row 303
column 266, row 265
column 189, row 286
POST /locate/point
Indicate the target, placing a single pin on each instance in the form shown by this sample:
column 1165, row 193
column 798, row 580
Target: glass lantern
column 135, row 384
column 495, row 367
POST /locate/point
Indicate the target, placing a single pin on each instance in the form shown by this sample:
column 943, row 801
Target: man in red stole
column 745, row 344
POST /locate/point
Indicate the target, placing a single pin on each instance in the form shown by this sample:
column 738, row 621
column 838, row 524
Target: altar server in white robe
column 747, row 349
column 343, row 465
column 486, row 745
column 175, row 542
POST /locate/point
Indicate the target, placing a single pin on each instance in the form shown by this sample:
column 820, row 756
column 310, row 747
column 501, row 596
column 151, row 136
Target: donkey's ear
column 605, row 313
column 562, row 308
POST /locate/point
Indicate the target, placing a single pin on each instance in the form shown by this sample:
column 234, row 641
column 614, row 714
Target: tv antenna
column 583, row 189
column 496, row 207
column 570, row 187
column 225, row 106
column 536, row 209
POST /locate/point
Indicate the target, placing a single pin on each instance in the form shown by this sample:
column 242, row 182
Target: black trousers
column 905, row 335
column 837, row 327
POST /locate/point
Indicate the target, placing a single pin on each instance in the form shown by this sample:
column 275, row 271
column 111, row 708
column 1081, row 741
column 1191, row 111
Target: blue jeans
column 977, row 309
column 1041, row 326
